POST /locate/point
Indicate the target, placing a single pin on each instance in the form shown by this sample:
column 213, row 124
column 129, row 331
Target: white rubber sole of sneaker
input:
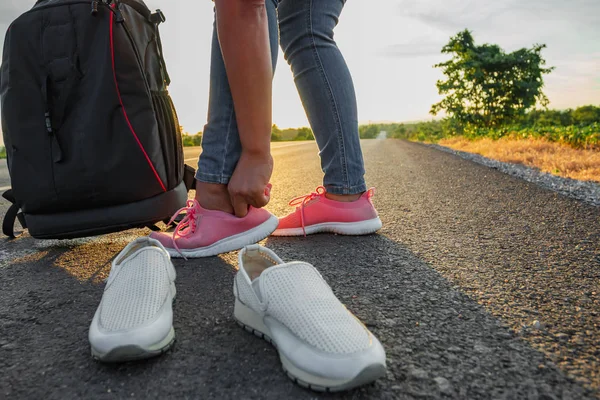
column 231, row 243
column 133, row 352
column 341, row 228
column 124, row 352
column 253, row 323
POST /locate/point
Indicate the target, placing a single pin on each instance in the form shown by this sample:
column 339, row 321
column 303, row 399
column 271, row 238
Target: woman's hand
column 249, row 184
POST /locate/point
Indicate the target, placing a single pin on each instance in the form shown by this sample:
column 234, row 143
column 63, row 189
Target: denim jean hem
column 212, row 178
column 346, row 190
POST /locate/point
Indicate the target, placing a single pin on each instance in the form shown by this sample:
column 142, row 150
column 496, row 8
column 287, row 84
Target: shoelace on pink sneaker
column 189, row 221
column 301, row 201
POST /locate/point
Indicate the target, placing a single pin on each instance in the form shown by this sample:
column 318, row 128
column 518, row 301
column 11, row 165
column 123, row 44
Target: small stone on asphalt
column 418, row 373
column 562, row 336
column 481, row 349
column 443, row 385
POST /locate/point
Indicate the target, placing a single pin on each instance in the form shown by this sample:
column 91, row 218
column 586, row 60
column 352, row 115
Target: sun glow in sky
column 391, row 47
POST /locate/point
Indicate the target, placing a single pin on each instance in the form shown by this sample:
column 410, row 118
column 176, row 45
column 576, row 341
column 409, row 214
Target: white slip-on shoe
column 135, row 317
column 322, row 346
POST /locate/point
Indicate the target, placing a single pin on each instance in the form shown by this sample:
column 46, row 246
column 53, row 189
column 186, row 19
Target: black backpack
column 91, row 134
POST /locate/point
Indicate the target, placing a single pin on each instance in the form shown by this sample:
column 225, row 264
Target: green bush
column 576, row 136
column 192, row 140
column 431, row 131
column 2, row 152
column 278, row 135
column 579, row 128
column 305, row 134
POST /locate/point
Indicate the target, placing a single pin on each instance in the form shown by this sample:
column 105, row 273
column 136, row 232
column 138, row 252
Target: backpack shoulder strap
column 189, row 177
column 139, row 7
column 8, row 224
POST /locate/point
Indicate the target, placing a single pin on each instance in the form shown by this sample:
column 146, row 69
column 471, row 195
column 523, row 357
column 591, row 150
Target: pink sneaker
column 316, row 213
column 205, row 233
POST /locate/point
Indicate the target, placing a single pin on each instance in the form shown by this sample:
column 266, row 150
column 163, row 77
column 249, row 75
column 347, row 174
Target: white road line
column 275, row 146
column 281, row 146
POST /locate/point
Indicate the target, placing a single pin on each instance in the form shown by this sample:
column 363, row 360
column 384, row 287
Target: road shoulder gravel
column 588, row 192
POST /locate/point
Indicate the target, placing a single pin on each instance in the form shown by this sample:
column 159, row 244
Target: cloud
column 575, row 82
column 450, row 15
column 11, row 9
column 568, row 28
column 577, row 71
column 453, row 15
column 414, row 49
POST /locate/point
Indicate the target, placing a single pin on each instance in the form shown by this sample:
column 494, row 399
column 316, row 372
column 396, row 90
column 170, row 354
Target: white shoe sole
column 253, row 323
column 134, row 352
column 231, row 243
column 127, row 351
column 340, row 228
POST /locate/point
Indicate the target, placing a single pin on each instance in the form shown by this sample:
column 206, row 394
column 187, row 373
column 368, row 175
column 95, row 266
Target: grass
column 586, row 137
column 552, row 157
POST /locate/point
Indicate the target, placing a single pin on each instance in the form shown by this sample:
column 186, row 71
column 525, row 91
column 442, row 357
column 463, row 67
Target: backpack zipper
column 137, row 56
column 34, row 9
column 107, row 4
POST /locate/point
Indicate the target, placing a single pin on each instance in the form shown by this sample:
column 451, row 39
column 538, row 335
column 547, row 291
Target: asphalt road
column 479, row 286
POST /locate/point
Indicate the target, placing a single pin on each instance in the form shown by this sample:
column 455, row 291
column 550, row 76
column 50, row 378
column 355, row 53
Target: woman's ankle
column 345, row 198
column 213, row 196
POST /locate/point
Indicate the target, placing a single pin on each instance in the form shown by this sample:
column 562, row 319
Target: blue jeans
column 326, row 90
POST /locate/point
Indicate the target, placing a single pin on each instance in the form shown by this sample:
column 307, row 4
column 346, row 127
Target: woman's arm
column 244, row 38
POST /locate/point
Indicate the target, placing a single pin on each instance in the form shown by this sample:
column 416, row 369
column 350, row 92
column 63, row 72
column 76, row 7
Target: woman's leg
column 208, row 228
column 325, row 85
column 326, row 88
column 221, row 146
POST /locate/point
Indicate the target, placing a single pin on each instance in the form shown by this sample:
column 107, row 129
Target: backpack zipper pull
column 118, row 13
column 57, row 154
column 110, row 6
column 48, row 123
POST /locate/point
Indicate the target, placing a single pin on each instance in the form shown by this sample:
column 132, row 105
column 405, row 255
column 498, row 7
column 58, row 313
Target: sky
column 390, row 47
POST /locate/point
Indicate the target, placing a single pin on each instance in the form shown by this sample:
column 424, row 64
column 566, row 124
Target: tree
column 368, row 131
column 187, row 140
column 586, row 115
column 551, row 117
column 197, row 139
column 275, row 133
column 305, row 134
column 399, row 132
column 487, row 87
